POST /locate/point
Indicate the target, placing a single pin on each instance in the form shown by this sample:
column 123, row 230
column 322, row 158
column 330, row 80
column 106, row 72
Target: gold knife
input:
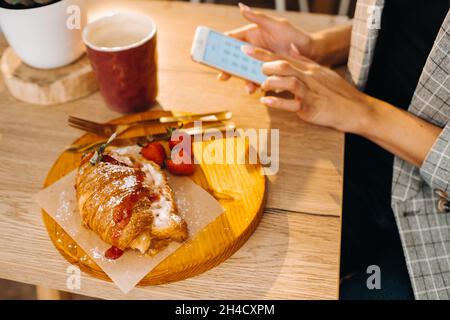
column 207, row 117
column 121, row 142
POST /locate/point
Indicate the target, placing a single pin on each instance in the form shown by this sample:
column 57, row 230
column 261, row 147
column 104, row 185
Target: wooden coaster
column 47, row 87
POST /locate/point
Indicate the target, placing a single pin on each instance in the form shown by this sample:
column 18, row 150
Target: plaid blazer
column 419, row 195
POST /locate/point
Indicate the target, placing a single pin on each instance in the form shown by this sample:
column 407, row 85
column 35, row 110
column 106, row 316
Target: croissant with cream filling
column 126, row 200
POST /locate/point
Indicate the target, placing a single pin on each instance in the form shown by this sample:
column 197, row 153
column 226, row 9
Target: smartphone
column 224, row 53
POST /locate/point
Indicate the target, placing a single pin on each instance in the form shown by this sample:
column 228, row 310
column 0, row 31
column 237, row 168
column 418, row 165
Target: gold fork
column 120, row 142
column 107, row 129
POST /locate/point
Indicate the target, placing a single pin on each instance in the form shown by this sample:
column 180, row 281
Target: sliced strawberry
column 155, row 152
column 180, row 169
column 175, row 141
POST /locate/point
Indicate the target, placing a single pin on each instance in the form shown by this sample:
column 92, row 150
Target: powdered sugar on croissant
column 127, row 201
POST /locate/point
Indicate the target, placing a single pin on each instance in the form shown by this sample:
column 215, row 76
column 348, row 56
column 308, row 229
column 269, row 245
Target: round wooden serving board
column 239, row 188
column 47, row 87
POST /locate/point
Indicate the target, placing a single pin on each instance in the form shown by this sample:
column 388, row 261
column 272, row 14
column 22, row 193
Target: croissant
column 126, row 200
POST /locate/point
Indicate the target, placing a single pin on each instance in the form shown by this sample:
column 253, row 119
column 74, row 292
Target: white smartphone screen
column 225, row 53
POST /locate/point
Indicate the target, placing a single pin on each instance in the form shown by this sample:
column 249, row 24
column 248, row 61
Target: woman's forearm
column 331, row 46
column 400, row 132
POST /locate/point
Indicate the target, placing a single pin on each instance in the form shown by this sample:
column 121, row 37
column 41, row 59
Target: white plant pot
column 46, row 37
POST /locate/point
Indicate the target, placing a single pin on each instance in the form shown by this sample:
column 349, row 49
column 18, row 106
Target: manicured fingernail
column 243, row 7
column 295, row 49
column 248, row 89
column 248, row 50
column 267, row 101
column 252, row 88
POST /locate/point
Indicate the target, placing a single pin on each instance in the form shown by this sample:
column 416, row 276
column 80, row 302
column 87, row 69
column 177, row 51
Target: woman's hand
column 329, row 46
column 274, row 34
column 321, row 96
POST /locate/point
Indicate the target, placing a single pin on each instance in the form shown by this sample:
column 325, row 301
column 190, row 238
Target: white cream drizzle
column 161, row 208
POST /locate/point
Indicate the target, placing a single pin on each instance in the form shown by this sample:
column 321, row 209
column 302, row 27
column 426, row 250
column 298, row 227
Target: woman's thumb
column 258, row 53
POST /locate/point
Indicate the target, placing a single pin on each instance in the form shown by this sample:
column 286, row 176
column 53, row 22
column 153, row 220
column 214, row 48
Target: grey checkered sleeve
column 435, row 169
column 424, row 227
column 431, row 102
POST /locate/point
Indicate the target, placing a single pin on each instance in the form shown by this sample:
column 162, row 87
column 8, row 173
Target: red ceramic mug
column 122, row 51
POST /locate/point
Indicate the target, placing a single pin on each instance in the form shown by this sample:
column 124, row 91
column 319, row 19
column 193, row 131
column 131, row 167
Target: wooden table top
column 294, row 253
